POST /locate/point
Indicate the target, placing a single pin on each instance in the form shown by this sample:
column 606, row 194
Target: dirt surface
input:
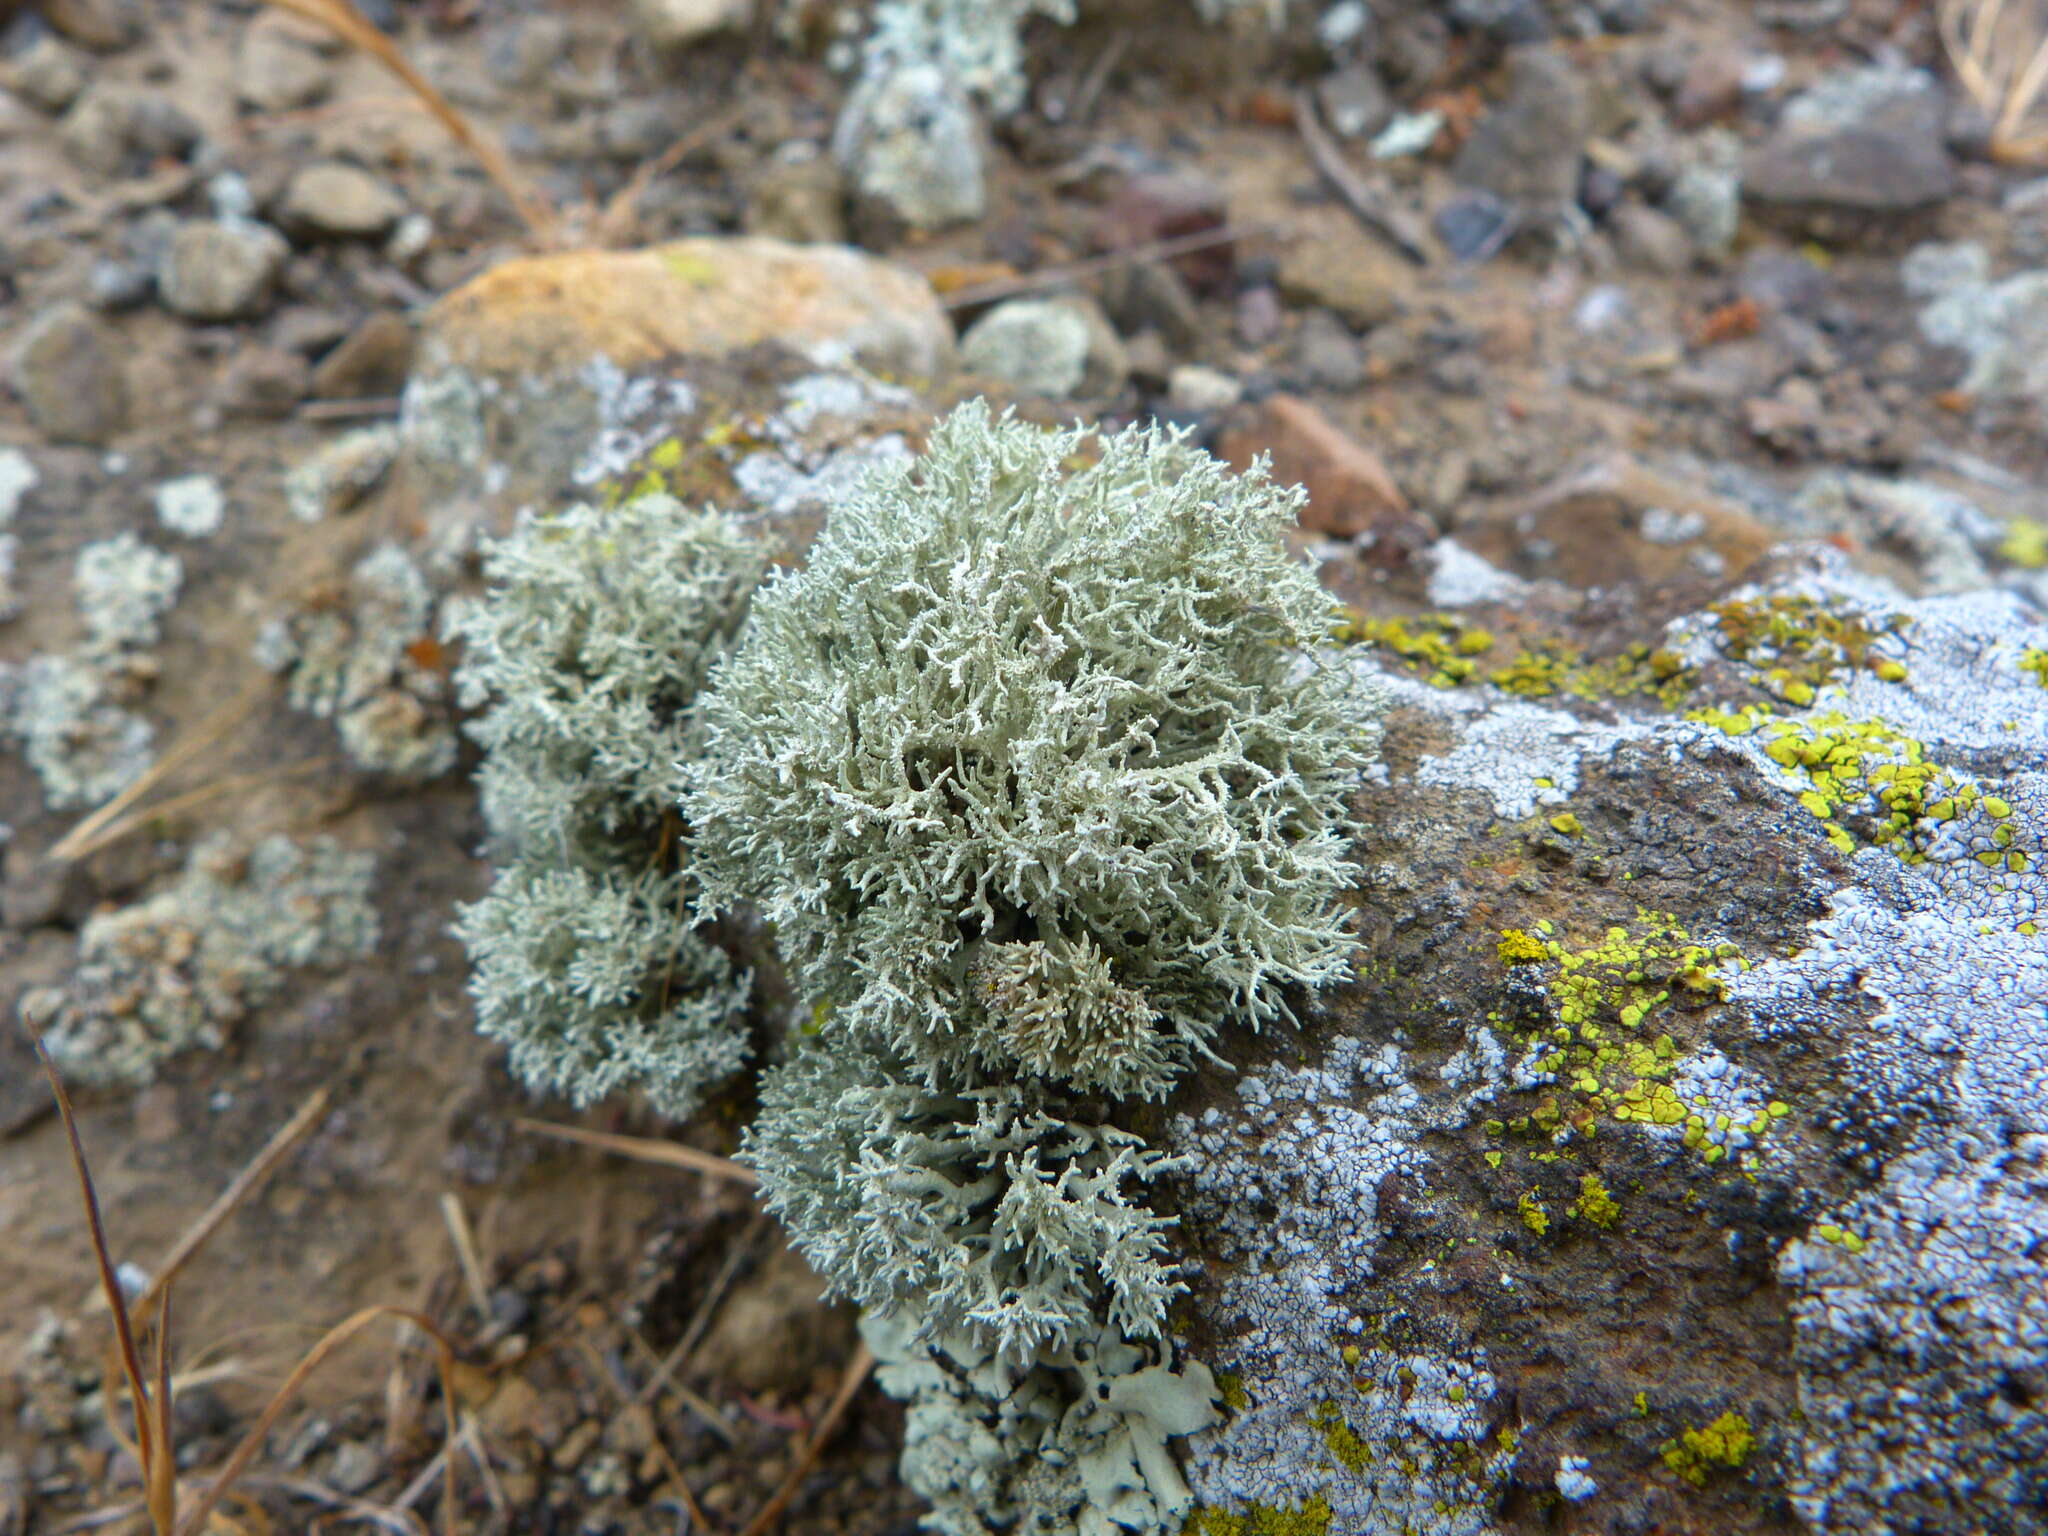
column 1444, row 397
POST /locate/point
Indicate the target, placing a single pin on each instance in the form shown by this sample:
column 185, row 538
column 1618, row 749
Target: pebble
column 67, row 370
column 341, row 474
column 674, row 24
column 263, row 382
column 1363, row 282
column 278, row 70
column 1202, row 390
column 1061, row 348
column 1527, row 149
column 339, row 200
column 373, row 360
column 1259, row 315
column 220, row 271
column 46, row 74
column 1650, row 240
column 1348, row 486
column 1475, row 225
column 115, row 286
column 113, row 130
column 1326, row 354
column 1354, row 102
column 1867, row 140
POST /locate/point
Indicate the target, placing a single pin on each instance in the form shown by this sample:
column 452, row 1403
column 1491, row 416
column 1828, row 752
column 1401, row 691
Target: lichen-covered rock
column 1679, row 1154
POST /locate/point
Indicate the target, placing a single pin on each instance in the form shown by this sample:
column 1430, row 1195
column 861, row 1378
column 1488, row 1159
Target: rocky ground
column 1689, row 312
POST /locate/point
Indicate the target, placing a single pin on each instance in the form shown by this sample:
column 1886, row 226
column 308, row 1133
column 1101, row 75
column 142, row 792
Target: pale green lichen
column 1726, row 1442
column 1020, row 726
column 588, row 650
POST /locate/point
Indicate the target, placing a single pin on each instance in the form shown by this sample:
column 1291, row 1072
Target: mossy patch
column 1312, row 1518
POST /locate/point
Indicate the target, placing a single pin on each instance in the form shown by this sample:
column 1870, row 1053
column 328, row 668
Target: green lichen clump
column 589, row 649
column 1034, row 772
column 2034, row 661
column 1446, row 651
column 1797, row 645
column 1311, row 1519
column 1024, row 767
column 1726, row 1442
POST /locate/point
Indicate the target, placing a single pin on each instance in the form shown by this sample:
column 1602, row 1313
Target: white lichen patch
column 1391, row 1438
column 177, row 970
column 192, row 506
column 70, row 719
column 633, row 413
column 124, row 589
column 1523, row 756
column 18, row 476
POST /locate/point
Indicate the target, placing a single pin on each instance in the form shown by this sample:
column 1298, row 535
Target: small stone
column 1865, row 141
column 1360, row 280
column 373, row 361
column 1060, row 348
column 67, row 370
column 101, row 25
column 116, row 286
column 1202, row 391
column 1326, row 354
column 1259, row 316
column 799, row 196
column 524, row 52
column 1150, row 206
column 1349, row 489
column 1354, row 102
column 1475, row 225
column 1711, row 88
column 670, row 25
column 1650, row 241
column 263, row 382
column 220, row 271
column 1526, row 151
column 1151, row 296
column 113, row 130
column 341, row 201
column 46, row 74
column 910, row 143
column 277, row 69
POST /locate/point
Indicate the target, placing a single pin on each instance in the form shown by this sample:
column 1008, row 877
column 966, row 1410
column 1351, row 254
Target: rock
column 1063, row 348
column 1355, row 104
column 2001, row 327
column 1258, row 318
column 799, row 196
column 1326, row 354
column 1202, row 391
column 115, row 286
column 669, row 25
column 101, row 25
column 1152, row 205
column 339, row 200
column 220, row 271
column 46, row 74
column 278, row 69
column 1616, row 522
column 1711, row 88
column 539, row 316
column 67, row 370
column 1359, row 278
column 373, row 360
column 1475, row 225
column 910, row 143
column 1349, row 489
column 115, row 130
column 525, row 52
column 1843, row 1237
column 1650, row 241
column 1151, row 296
column 340, row 475
column 263, row 382
column 1864, row 143
column 1706, row 194
column 1526, row 150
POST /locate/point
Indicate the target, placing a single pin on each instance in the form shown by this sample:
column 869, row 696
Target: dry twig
column 646, row 1149
column 349, row 24
column 1373, row 203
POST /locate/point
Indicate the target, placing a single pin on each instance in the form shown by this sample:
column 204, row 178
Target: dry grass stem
column 92, row 833
column 349, row 24
column 669, row 1372
column 253, row 1176
column 1999, row 50
column 646, row 1149
column 857, row 1370
column 464, row 1239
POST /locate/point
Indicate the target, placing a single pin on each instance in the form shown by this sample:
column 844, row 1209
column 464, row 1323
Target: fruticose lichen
column 177, row 970
column 1035, row 774
column 588, row 651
